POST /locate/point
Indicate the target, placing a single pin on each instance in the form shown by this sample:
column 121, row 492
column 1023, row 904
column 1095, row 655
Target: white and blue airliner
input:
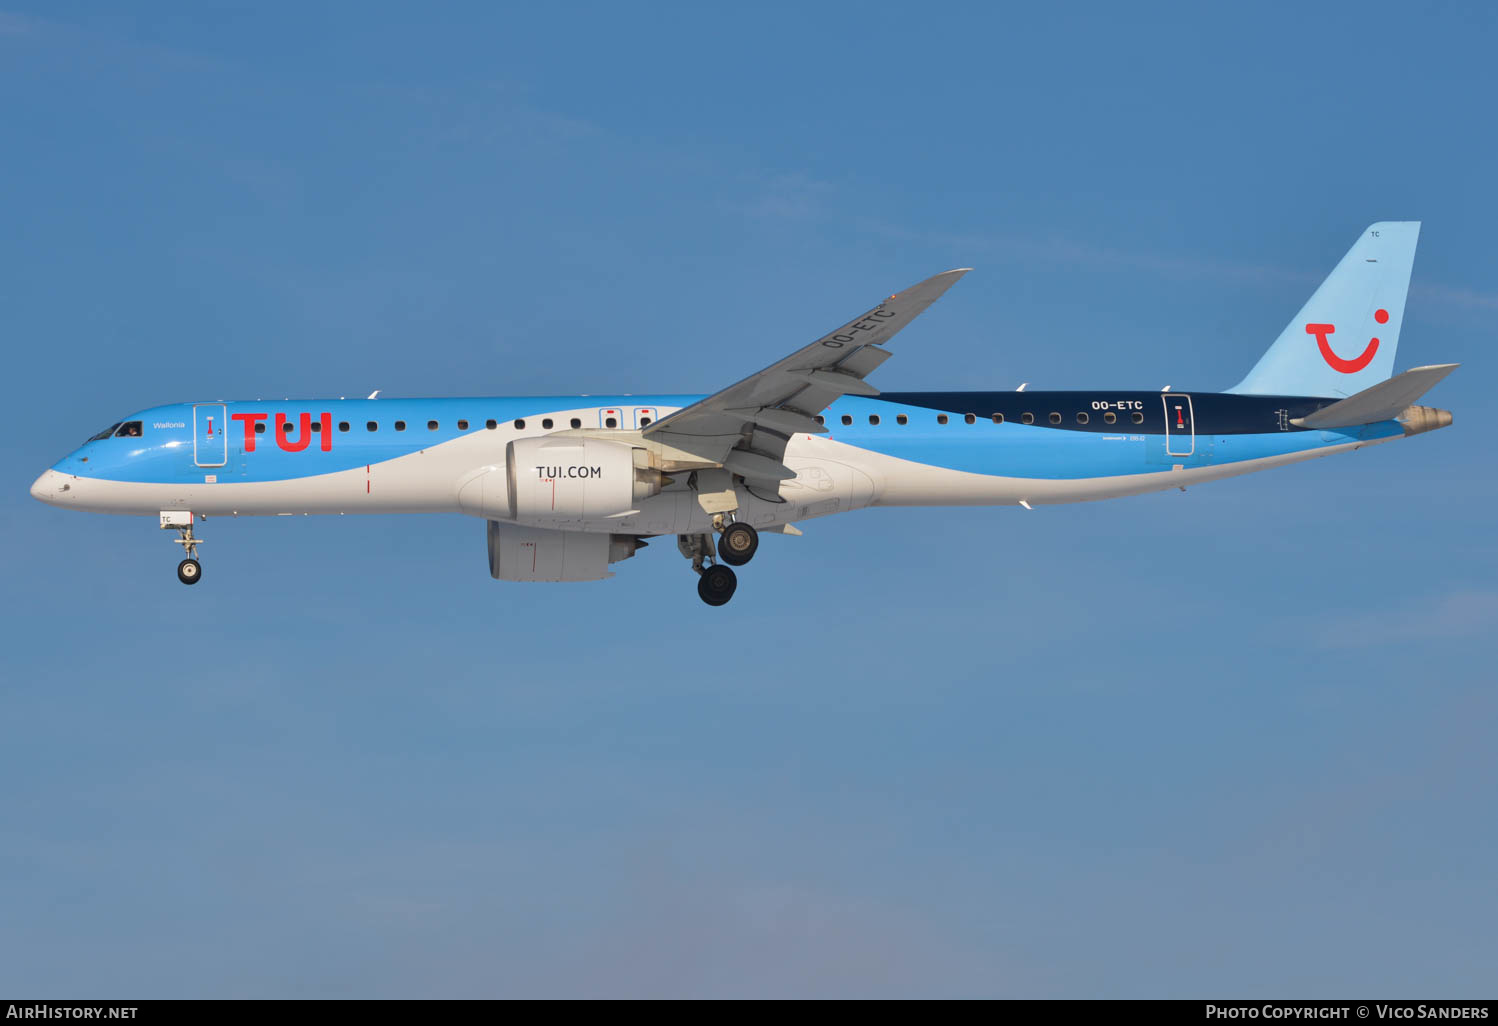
column 570, row 485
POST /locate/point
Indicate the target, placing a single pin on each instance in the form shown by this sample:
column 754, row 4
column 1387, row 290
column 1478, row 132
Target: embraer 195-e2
column 570, row 485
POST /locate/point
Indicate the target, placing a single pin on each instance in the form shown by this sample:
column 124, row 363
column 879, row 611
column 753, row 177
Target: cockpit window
column 129, row 429
column 105, row 433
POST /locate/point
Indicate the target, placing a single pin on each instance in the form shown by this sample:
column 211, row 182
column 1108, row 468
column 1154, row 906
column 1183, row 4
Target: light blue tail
column 1343, row 339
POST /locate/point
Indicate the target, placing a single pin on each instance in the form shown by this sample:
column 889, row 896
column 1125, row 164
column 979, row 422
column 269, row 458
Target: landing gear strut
column 715, row 582
column 189, row 571
column 737, row 543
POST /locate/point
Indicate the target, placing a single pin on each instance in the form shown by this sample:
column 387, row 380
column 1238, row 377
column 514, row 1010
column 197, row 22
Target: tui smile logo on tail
column 1335, row 362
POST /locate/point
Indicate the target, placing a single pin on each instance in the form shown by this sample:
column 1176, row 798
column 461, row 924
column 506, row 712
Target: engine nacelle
column 520, row 553
column 569, row 478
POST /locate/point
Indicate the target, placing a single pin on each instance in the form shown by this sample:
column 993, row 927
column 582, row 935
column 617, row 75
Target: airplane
column 570, row 485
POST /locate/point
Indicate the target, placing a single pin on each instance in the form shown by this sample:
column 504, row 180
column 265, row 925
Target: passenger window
column 431, row 425
column 1027, row 418
column 1082, row 418
column 576, row 422
column 317, row 426
column 847, row 420
column 546, row 423
column 343, row 425
column 610, row 422
column 400, row 425
column 129, row 429
column 1137, row 417
column 1110, row 417
column 969, row 418
column 900, row 418
column 820, row 419
column 644, row 421
column 373, row 425
column 998, row 418
column 259, row 428
column 941, row 418
column 1055, row 418
column 462, row 425
column 874, row 419
column 491, row 424
column 519, row 424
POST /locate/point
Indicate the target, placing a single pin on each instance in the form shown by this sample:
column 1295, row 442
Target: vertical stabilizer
column 1343, row 339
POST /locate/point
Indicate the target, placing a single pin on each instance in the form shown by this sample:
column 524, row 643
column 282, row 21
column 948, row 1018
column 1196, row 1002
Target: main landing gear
column 189, row 571
column 737, row 543
column 717, row 585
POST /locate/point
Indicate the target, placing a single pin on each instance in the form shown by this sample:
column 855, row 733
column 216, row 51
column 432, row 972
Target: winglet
column 929, row 291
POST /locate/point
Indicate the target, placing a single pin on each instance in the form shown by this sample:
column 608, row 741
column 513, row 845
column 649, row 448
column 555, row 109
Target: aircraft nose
column 50, row 486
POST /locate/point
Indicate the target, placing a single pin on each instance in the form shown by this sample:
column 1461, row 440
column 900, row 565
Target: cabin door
column 210, row 439
column 1180, row 428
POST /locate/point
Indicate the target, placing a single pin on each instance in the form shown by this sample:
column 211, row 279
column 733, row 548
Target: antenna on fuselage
column 1022, row 385
column 375, row 394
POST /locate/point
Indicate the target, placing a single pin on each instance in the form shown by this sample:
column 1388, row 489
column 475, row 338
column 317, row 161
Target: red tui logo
column 283, row 431
column 1335, row 362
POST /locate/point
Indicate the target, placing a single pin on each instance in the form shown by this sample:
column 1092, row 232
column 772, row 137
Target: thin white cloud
column 1454, row 297
column 94, row 45
column 1059, row 249
column 790, row 197
column 1463, row 613
column 12, row 24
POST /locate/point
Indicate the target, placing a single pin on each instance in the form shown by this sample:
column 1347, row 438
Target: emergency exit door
column 210, row 440
column 1180, row 429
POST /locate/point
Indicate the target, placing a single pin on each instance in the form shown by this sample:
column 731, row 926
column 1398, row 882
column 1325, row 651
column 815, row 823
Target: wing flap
column 864, row 361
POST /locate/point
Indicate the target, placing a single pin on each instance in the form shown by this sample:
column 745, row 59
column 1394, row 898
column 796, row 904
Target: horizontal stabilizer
column 1384, row 401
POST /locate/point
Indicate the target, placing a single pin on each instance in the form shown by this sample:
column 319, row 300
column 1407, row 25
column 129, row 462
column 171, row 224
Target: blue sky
column 1236, row 741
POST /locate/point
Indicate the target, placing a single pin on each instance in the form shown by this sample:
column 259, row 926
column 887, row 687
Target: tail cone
column 1420, row 419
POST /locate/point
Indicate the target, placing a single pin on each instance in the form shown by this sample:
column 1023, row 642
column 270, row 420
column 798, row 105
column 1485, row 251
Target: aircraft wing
column 745, row 426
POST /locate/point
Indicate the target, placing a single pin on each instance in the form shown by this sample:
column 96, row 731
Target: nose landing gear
column 189, row 571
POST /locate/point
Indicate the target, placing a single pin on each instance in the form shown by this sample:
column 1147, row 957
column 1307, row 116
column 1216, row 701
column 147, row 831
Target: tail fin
column 1343, row 339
